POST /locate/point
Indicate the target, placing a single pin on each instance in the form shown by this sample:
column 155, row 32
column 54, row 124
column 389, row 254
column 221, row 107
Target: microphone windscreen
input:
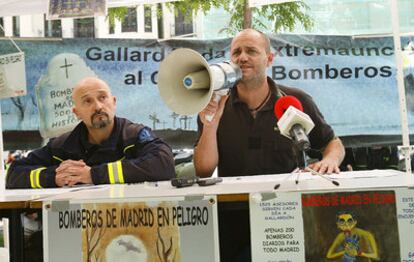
column 283, row 103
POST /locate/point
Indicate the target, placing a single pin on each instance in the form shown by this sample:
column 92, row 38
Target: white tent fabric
column 257, row 3
column 115, row 3
column 24, row 7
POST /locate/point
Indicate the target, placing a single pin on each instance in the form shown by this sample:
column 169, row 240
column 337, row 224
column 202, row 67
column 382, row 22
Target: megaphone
column 187, row 82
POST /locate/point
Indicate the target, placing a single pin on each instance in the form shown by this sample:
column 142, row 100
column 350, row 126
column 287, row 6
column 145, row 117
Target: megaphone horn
column 187, row 82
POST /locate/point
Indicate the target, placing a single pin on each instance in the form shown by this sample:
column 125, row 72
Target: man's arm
column 72, row 172
column 332, row 157
column 153, row 161
column 322, row 137
column 206, row 155
column 37, row 170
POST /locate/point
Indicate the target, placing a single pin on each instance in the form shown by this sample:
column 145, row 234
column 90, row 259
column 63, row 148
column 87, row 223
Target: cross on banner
column 66, row 68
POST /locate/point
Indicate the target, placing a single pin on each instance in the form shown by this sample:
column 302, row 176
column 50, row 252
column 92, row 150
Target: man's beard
column 255, row 80
column 99, row 123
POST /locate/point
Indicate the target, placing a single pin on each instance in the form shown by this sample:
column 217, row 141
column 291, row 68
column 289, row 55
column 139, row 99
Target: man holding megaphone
column 246, row 138
column 243, row 137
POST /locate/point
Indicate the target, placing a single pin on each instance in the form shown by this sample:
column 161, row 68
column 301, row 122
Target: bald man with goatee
column 102, row 149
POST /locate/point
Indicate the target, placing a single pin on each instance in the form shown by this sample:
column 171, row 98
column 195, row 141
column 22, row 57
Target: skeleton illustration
column 352, row 242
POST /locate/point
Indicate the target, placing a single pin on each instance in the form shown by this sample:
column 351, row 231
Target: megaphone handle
column 217, row 98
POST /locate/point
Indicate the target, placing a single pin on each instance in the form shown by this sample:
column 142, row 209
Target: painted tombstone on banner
column 12, row 75
column 54, row 93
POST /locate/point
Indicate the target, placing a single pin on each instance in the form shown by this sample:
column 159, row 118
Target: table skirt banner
column 371, row 225
column 173, row 229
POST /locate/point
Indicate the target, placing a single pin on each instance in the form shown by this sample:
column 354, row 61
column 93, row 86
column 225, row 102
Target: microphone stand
column 302, row 165
column 313, row 172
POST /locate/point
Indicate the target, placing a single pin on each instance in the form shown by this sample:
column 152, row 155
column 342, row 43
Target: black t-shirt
column 254, row 146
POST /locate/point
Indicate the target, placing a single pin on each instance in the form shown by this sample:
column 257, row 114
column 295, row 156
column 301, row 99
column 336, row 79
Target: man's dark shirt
column 254, row 146
column 131, row 154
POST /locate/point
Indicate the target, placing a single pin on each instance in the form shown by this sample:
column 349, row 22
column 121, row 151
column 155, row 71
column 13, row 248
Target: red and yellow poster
column 351, row 226
column 346, row 226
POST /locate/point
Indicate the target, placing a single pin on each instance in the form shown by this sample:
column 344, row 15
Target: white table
column 232, row 189
column 238, row 188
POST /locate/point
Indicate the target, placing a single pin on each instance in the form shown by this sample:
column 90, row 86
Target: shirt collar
column 276, row 93
column 110, row 142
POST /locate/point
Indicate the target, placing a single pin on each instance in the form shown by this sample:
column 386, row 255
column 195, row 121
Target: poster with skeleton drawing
column 351, row 226
column 367, row 225
column 156, row 230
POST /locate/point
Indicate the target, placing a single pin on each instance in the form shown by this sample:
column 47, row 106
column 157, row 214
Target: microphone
column 293, row 122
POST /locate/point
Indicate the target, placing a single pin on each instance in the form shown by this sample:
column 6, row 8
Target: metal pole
column 2, row 173
column 400, row 81
column 1, row 137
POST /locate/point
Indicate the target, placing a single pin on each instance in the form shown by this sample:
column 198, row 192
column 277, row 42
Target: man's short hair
column 267, row 40
column 263, row 35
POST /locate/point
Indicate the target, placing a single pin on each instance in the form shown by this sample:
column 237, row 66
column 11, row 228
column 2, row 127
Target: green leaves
column 283, row 16
column 287, row 15
column 116, row 13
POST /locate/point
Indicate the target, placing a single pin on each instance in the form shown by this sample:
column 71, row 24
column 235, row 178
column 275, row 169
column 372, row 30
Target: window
column 2, row 26
column 53, row 28
column 406, row 15
column 84, row 27
column 16, row 26
column 147, row 18
column 183, row 26
column 130, row 22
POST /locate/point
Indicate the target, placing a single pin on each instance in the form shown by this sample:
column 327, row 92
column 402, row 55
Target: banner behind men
column 352, row 80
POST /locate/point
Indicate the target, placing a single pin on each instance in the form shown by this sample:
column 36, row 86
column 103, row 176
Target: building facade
column 155, row 21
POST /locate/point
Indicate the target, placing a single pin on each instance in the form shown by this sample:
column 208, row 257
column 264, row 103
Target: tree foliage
column 118, row 13
column 284, row 16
